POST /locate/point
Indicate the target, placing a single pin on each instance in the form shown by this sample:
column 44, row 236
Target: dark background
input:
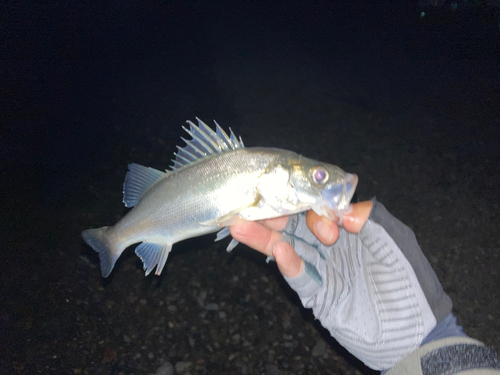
column 409, row 103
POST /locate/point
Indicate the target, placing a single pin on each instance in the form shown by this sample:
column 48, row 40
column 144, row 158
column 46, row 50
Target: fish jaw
column 336, row 198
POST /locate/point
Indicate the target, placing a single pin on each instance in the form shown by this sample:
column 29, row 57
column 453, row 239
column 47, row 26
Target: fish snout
column 350, row 187
column 339, row 196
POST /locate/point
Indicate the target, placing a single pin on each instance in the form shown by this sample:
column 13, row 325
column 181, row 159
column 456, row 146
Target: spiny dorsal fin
column 137, row 181
column 204, row 142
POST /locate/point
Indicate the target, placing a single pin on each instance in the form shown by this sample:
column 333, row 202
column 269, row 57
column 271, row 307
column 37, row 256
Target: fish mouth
column 350, row 187
column 339, row 196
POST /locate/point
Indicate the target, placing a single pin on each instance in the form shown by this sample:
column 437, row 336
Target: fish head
column 325, row 188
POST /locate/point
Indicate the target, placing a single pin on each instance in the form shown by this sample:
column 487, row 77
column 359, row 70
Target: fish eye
column 318, row 175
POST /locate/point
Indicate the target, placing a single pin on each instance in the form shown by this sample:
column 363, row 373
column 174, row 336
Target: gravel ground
column 410, row 105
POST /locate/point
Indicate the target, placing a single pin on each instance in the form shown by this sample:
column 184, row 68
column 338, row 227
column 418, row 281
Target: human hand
column 266, row 236
column 366, row 281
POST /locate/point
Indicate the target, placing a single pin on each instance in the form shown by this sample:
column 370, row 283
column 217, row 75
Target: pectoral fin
column 231, row 218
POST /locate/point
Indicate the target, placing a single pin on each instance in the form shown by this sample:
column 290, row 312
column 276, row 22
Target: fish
column 214, row 182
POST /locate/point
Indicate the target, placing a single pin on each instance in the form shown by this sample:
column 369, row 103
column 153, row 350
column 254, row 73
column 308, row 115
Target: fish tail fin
column 108, row 251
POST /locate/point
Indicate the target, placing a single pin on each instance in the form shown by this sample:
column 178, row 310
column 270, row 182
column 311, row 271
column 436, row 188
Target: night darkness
column 410, row 104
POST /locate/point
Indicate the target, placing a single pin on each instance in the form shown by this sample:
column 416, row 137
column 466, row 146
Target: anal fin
column 153, row 255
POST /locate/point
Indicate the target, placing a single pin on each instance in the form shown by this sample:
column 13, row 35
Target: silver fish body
column 215, row 182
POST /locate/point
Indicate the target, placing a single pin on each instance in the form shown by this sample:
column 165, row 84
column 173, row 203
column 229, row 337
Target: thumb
column 289, row 263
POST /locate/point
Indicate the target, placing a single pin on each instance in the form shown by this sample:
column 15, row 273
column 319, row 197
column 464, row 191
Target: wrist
column 451, row 355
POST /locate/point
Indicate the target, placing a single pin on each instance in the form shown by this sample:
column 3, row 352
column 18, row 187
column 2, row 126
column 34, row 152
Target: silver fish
column 214, row 182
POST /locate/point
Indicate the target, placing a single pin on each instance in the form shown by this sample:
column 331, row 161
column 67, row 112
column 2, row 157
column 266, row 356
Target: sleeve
column 452, row 355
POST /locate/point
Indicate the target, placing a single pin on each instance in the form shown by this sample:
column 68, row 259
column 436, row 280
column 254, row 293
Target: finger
column 289, row 263
column 354, row 220
column 277, row 224
column 328, row 231
column 255, row 235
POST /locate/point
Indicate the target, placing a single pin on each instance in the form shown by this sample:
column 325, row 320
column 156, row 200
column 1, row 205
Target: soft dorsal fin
column 137, row 181
column 204, row 142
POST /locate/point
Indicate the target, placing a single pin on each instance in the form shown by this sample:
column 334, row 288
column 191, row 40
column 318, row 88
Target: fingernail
column 323, row 230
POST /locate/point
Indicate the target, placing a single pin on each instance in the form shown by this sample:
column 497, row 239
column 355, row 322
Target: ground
column 410, row 105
